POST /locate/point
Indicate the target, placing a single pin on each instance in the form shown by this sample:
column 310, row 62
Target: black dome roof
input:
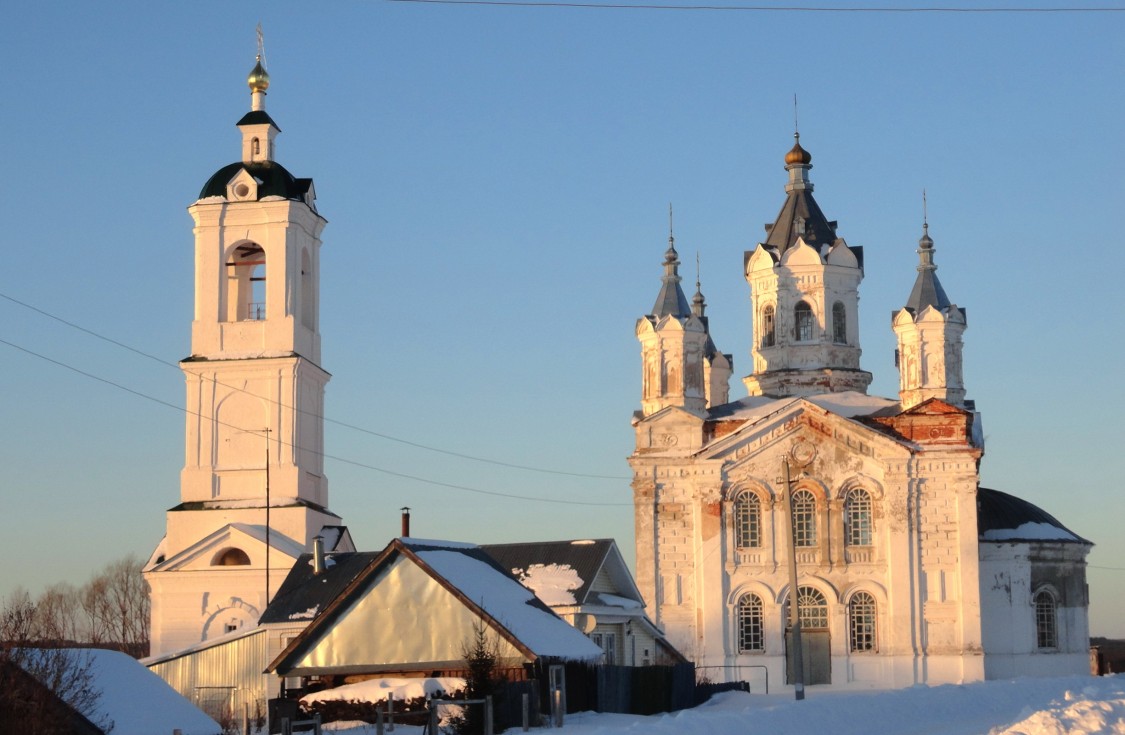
column 998, row 511
column 275, row 180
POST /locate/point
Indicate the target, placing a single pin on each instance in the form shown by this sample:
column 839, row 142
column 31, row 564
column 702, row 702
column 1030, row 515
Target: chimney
column 405, row 522
column 318, row 555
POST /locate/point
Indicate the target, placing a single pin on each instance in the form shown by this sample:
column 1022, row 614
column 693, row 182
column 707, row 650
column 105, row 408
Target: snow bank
column 377, row 690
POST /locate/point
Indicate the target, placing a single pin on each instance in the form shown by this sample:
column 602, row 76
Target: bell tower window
column 839, row 324
column 769, row 327
column 246, row 281
column 802, row 322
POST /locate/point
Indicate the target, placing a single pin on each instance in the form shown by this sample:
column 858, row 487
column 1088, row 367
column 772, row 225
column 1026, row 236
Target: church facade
column 906, row 570
column 253, row 494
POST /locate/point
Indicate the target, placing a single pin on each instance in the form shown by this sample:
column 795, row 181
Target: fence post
column 316, row 723
column 526, row 713
column 432, row 723
column 379, row 722
column 488, row 714
column 391, row 712
column 557, row 706
column 286, row 729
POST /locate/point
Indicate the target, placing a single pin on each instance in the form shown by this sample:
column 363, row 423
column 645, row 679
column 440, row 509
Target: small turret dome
column 259, row 79
column 797, row 154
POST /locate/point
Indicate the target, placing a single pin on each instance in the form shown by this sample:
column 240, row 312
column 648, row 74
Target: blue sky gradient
column 496, row 181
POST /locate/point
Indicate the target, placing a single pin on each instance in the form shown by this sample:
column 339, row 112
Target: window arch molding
column 873, row 487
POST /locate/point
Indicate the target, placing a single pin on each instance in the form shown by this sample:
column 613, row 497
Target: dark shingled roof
column 303, row 591
column 997, row 511
column 585, row 558
column 783, row 234
column 275, row 180
column 257, row 117
column 927, row 291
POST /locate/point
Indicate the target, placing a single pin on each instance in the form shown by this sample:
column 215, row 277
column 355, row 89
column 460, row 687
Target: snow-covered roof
column 141, row 703
column 847, row 404
column 562, row 573
column 514, row 606
column 1004, row 517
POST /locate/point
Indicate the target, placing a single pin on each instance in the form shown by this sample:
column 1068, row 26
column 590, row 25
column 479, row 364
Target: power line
column 438, row 483
column 762, row 8
column 353, row 427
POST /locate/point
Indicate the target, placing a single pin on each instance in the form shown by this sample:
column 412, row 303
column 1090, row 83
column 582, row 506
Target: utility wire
column 355, row 463
column 762, row 8
column 353, row 427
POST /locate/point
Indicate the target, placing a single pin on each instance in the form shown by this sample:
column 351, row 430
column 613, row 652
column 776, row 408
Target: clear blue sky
column 496, row 181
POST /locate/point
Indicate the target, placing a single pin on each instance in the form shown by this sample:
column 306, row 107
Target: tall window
column 1046, row 620
column 804, row 519
column 857, row 518
column 747, row 521
column 769, row 327
column 802, row 322
column 750, row 636
column 839, row 324
column 811, row 606
column 246, row 277
column 861, row 622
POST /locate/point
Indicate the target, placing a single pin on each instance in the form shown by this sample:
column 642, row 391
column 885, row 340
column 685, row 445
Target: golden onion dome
column 797, row 154
column 259, row 79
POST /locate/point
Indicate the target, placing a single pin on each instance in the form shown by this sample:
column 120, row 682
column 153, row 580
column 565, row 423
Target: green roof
column 274, row 180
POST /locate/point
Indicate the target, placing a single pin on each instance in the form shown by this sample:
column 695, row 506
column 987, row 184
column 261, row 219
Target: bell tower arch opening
column 246, row 283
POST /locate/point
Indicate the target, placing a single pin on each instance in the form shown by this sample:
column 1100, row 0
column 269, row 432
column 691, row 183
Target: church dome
column 797, row 154
column 259, row 79
column 275, row 180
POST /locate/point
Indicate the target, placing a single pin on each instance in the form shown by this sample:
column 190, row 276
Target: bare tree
column 115, row 607
column 30, row 643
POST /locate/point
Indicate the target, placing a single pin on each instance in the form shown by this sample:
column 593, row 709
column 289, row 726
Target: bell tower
column 253, row 493
column 929, row 330
column 804, row 292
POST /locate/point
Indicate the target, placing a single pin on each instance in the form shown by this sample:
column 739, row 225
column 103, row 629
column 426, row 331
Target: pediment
column 800, row 422
column 243, row 187
column 250, row 539
column 801, row 254
column 760, row 259
column 841, row 254
column 933, row 407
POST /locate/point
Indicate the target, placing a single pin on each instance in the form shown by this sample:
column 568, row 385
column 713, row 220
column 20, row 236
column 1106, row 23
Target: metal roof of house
column 585, row 557
column 304, row 595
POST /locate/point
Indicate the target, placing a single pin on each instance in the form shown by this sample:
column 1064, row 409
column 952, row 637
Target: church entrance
column 816, row 648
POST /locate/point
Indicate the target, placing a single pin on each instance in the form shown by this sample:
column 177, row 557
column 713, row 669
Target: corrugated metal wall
column 226, row 679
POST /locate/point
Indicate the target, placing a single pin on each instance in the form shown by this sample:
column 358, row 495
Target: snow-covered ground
column 1064, row 706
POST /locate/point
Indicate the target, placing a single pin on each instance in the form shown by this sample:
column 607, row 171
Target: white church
column 253, row 494
column 907, row 571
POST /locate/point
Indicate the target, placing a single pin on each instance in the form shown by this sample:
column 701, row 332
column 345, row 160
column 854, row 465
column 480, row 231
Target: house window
column 803, row 322
column 812, row 607
column 861, row 622
column 857, row 518
column 608, row 643
column 769, row 327
column 747, row 521
column 750, row 624
column 1046, row 620
column 804, row 519
column 839, row 324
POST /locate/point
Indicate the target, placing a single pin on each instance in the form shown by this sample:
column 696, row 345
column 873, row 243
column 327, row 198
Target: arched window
column 861, row 622
column 839, row 324
column 802, row 322
column 255, row 147
column 246, row 297
column 769, row 327
column 804, row 519
column 811, row 606
column 231, row 558
column 750, row 637
column 1046, row 620
column 747, row 521
column 857, row 518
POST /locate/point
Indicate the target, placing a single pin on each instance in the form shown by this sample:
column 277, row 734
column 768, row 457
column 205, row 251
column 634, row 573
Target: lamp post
column 794, row 607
